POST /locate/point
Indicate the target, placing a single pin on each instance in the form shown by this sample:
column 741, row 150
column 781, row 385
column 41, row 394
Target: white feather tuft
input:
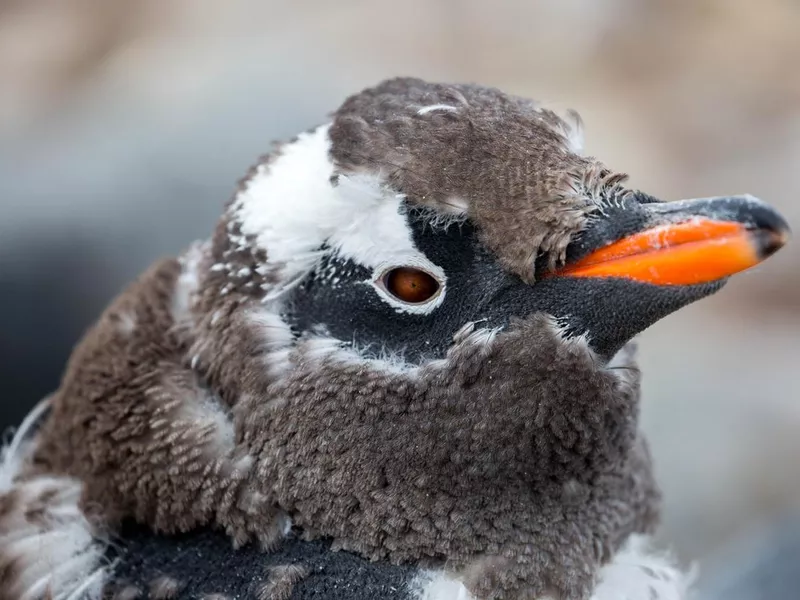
column 376, row 231
column 291, row 208
column 48, row 544
column 446, row 107
column 639, row 573
column 14, row 454
column 438, row 585
column 127, row 323
column 573, row 130
column 635, row 573
column 277, row 339
column 186, row 285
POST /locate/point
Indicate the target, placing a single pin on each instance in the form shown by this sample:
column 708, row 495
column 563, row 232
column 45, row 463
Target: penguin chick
column 408, row 335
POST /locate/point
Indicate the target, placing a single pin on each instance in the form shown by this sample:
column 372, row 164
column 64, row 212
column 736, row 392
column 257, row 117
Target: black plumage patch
column 339, row 298
column 207, row 565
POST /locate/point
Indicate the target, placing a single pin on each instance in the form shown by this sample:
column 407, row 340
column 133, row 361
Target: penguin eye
column 410, row 285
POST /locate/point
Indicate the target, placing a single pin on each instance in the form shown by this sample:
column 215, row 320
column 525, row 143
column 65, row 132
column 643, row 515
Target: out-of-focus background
column 125, row 124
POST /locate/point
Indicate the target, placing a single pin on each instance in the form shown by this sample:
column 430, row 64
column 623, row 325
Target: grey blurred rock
column 764, row 565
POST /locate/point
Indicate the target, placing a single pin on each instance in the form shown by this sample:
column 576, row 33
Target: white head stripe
column 290, row 207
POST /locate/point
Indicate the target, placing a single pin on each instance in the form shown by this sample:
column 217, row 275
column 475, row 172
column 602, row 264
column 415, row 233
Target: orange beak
column 698, row 250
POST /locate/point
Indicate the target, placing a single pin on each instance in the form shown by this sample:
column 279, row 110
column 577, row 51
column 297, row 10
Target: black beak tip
column 772, row 231
column 769, row 229
column 769, row 241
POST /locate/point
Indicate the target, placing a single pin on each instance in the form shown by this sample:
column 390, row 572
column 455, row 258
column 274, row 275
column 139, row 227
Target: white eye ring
column 410, row 285
column 422, row 307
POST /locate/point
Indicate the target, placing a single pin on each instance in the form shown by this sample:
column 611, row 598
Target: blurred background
column 124, row 126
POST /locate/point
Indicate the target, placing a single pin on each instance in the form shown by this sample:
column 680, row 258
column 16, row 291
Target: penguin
column 401, row 366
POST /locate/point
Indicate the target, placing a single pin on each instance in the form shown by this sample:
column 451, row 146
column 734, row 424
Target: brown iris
column 410, row 285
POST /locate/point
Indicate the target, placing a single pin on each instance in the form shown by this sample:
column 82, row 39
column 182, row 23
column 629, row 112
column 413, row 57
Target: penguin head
column 422, row 209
